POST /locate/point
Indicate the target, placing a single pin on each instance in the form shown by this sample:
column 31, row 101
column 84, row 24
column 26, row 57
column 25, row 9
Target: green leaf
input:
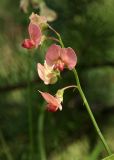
column 109, row 157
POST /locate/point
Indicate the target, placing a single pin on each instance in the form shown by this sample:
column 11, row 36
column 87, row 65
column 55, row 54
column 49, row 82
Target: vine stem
column 90, row 113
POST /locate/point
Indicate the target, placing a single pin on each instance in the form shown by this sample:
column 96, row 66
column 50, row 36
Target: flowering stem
column 85, row 101
column 90, row 113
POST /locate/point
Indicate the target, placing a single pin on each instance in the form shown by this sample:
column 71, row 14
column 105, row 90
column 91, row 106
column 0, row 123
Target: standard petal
column 50, row 99
column 35, row 33
column 69, row 57
column 53, row 53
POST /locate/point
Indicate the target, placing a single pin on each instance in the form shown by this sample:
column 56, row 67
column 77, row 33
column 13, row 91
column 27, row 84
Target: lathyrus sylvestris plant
column 57, row 58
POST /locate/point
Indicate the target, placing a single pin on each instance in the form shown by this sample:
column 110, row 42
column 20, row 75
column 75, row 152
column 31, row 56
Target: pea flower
column 47, row 74
column 40, row 21
column 61, row 58
column 35, row 37
column 53, row 102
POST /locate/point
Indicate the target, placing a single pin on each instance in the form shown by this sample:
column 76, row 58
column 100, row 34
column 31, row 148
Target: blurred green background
column 27, row 131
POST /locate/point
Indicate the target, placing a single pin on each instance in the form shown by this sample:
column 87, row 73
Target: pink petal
column 41, row 70
column 69, row 57
column 35, row 33
column 50, row 99
column 52, row 54
column 52, row 108
column 28, row 43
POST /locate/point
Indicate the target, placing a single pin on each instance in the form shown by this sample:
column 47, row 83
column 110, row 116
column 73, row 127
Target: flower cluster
column 57, row 59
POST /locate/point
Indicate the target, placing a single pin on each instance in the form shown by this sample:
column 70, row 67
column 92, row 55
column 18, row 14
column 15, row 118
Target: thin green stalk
column 52, row 38
column 60, row 40
column 31, row 145
column 58, row 35
column 41, row 146
column 5, row 147
column 90, row 113
column 71, row 86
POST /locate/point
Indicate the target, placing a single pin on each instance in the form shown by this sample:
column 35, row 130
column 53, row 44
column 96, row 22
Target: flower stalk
column 58, row 35
column 72, row 86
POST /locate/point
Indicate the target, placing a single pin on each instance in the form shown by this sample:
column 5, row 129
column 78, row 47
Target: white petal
column 60, row 107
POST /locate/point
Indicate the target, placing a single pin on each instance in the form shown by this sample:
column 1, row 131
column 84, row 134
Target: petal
column 51, row 108
column 41, row 71
column 50, row 14
column 46, row 74
column 53, row 53
column 35, row 33
column 50, row 99
column 69, row 57
column 43, row 19
column 28, row 43
column 36, row 19
column 60, row 107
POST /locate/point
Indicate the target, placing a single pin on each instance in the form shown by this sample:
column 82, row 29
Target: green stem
column 31, row 146
column 72, row 86
column 58, row 35
column 52, row 38
column 90, row 113
column 60, row 40
column 40, row 133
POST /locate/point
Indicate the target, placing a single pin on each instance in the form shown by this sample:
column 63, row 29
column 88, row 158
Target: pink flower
column 38, row 20
column 61, row 57
column 35, row 37
column 53, row 102
column 47, row 74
